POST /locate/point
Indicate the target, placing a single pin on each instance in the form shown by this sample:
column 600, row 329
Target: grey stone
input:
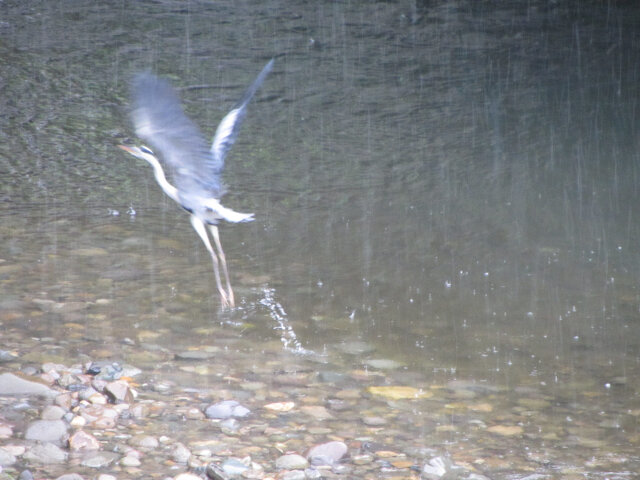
column 53, row 431
column 327, row 453
column 226, row 409
column 11, row 384
column 291, row 461
column 70, row 476
column 45, row 453
column 6, row 458
column 99, row 459
column 52, row 412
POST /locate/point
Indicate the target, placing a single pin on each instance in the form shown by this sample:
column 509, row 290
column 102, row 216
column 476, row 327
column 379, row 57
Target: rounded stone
column 46, row 431
column 327, row 453
column 291, row 461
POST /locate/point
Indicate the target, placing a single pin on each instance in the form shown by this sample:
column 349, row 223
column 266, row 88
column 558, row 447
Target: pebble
column 46, row 431
column 145, row 441
column 226, row 409
column 6, row 458
column 180, row 453
column 83, row 441
column 46, row 453
column 119, row 392
column 52, row 412
column 327, row 453
column 234, row 467
column 187, row 476
column 70, row 476
column 99, row 459
column 130, row 461
column 291, row 461
column 374, row 421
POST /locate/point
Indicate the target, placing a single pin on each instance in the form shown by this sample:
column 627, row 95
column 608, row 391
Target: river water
column 446, row 190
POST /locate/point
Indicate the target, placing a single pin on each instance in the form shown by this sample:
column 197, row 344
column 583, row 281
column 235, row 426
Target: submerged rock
column 226, row 409
column 53, row 431
column 11, row 384
column 327, row 453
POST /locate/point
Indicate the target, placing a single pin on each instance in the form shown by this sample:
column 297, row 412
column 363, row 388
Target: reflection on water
column 452, row 185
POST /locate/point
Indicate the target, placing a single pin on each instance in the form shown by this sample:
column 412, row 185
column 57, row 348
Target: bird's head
column 142, row 152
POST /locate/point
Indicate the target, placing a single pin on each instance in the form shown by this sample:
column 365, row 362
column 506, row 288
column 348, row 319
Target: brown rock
column 119, row 392
column 82, row 441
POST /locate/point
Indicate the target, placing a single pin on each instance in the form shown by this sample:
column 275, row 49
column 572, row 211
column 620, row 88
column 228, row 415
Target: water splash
column 287, row 333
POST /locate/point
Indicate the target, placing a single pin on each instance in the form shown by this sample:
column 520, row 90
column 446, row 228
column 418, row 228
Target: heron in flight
column 195, row 167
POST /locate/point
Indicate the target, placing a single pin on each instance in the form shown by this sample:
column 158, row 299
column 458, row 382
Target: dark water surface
column 449, row 185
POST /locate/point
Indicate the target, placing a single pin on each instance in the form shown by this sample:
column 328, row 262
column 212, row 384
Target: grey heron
column 195, row 167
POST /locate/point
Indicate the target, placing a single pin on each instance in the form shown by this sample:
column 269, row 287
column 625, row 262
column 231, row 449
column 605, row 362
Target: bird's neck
column 169, row 189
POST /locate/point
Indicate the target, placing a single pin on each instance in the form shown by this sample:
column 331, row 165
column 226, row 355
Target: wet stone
column 291, row 461
column 11, row 384
column 46, row 431
column 180, row 453
column 99, row 459
column 119, row 392
column 6, row 458
column 327, row 453
column 293, row 475
column 234, row 467
column 46, row 453
column 374, row 421
column 82, row 441
column 195, row 355
column 226, row 409
column 383, row 364
column 70, row 476
column 145, row 441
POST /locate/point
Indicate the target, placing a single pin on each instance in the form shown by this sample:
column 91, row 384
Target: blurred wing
column 230, row 125
column 159, row 120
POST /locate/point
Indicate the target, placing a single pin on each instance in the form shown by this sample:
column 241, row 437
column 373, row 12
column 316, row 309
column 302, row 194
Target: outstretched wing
column 227, row 131
column 159, row 120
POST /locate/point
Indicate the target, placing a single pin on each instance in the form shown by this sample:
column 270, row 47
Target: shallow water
column 449, row 186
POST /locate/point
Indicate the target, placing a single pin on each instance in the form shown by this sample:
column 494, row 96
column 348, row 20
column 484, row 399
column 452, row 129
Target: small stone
column 99, row 459
column 291, row 461
column 52, row 412
column 293, row 475
column 280, row 406
column 98, row 399
column 104, row 476
column 506, row 430
column 383, row 363
column 327, row 453
column 70, row 476
column 64, row 400
column 226, row 409
column 130, row 461
column 83, row 441
column 78, row 421
column 316, row 411
column 52, row 431
column 145, row 441
column 187, row 476
column 45, row 453
column 119, row 392
column 180, row 453
column 374, row 421
column 6, row 458
column 194, row 414
column 234, row 467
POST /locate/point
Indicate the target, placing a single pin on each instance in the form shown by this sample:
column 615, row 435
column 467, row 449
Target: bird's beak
column 126, row 149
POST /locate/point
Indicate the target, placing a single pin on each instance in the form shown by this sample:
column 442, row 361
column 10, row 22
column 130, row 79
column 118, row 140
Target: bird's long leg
column 198, row 226
column 223, row 261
